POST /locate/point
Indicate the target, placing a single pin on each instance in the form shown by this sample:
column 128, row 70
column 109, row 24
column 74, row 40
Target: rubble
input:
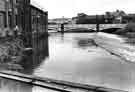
column 11, row 51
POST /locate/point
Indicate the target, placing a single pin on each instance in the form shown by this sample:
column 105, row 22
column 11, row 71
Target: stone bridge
column 87, row 26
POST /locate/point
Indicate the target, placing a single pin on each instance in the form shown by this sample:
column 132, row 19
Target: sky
column 70, row 8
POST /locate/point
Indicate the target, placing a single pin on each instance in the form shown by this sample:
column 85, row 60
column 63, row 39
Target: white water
column 116, row 45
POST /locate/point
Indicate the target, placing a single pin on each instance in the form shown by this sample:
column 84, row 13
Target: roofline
column 38, row 9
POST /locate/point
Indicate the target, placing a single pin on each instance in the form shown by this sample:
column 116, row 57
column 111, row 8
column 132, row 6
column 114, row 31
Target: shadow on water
column 110, row 30
column 33, row 58
column 84, row 43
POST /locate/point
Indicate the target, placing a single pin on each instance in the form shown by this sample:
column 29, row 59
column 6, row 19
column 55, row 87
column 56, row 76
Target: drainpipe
column 13, row 14
column 7, row 8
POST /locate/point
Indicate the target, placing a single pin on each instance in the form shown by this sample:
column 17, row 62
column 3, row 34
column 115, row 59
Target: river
column 76, row 58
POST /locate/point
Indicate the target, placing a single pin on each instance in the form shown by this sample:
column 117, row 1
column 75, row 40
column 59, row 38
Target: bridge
column 68, row 27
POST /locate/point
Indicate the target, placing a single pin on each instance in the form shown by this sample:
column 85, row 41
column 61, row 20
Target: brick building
column 23, row 14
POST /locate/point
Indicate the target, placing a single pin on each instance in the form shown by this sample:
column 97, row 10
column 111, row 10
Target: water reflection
column 68, row 60
column 34, row 58
column 85, row 43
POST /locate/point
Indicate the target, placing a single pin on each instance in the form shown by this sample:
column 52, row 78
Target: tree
column 81, row 15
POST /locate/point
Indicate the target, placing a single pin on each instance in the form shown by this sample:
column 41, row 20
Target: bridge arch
column 79, row 30
column 110, row 30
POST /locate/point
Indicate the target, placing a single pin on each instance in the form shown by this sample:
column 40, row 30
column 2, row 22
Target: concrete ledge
column 53, row 84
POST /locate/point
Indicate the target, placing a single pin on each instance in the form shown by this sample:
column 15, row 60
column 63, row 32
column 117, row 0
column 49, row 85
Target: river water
column 76, row 58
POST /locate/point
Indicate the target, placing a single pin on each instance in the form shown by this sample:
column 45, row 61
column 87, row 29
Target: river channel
column 76, row 58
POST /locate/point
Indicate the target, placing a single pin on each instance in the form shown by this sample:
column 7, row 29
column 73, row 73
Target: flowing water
column 76, row 58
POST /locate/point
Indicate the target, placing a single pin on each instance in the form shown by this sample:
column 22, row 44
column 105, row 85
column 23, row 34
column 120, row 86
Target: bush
column 130, row 27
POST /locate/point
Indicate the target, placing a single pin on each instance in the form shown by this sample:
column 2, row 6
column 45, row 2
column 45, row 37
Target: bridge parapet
column 88, row 26
column 108, row 26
